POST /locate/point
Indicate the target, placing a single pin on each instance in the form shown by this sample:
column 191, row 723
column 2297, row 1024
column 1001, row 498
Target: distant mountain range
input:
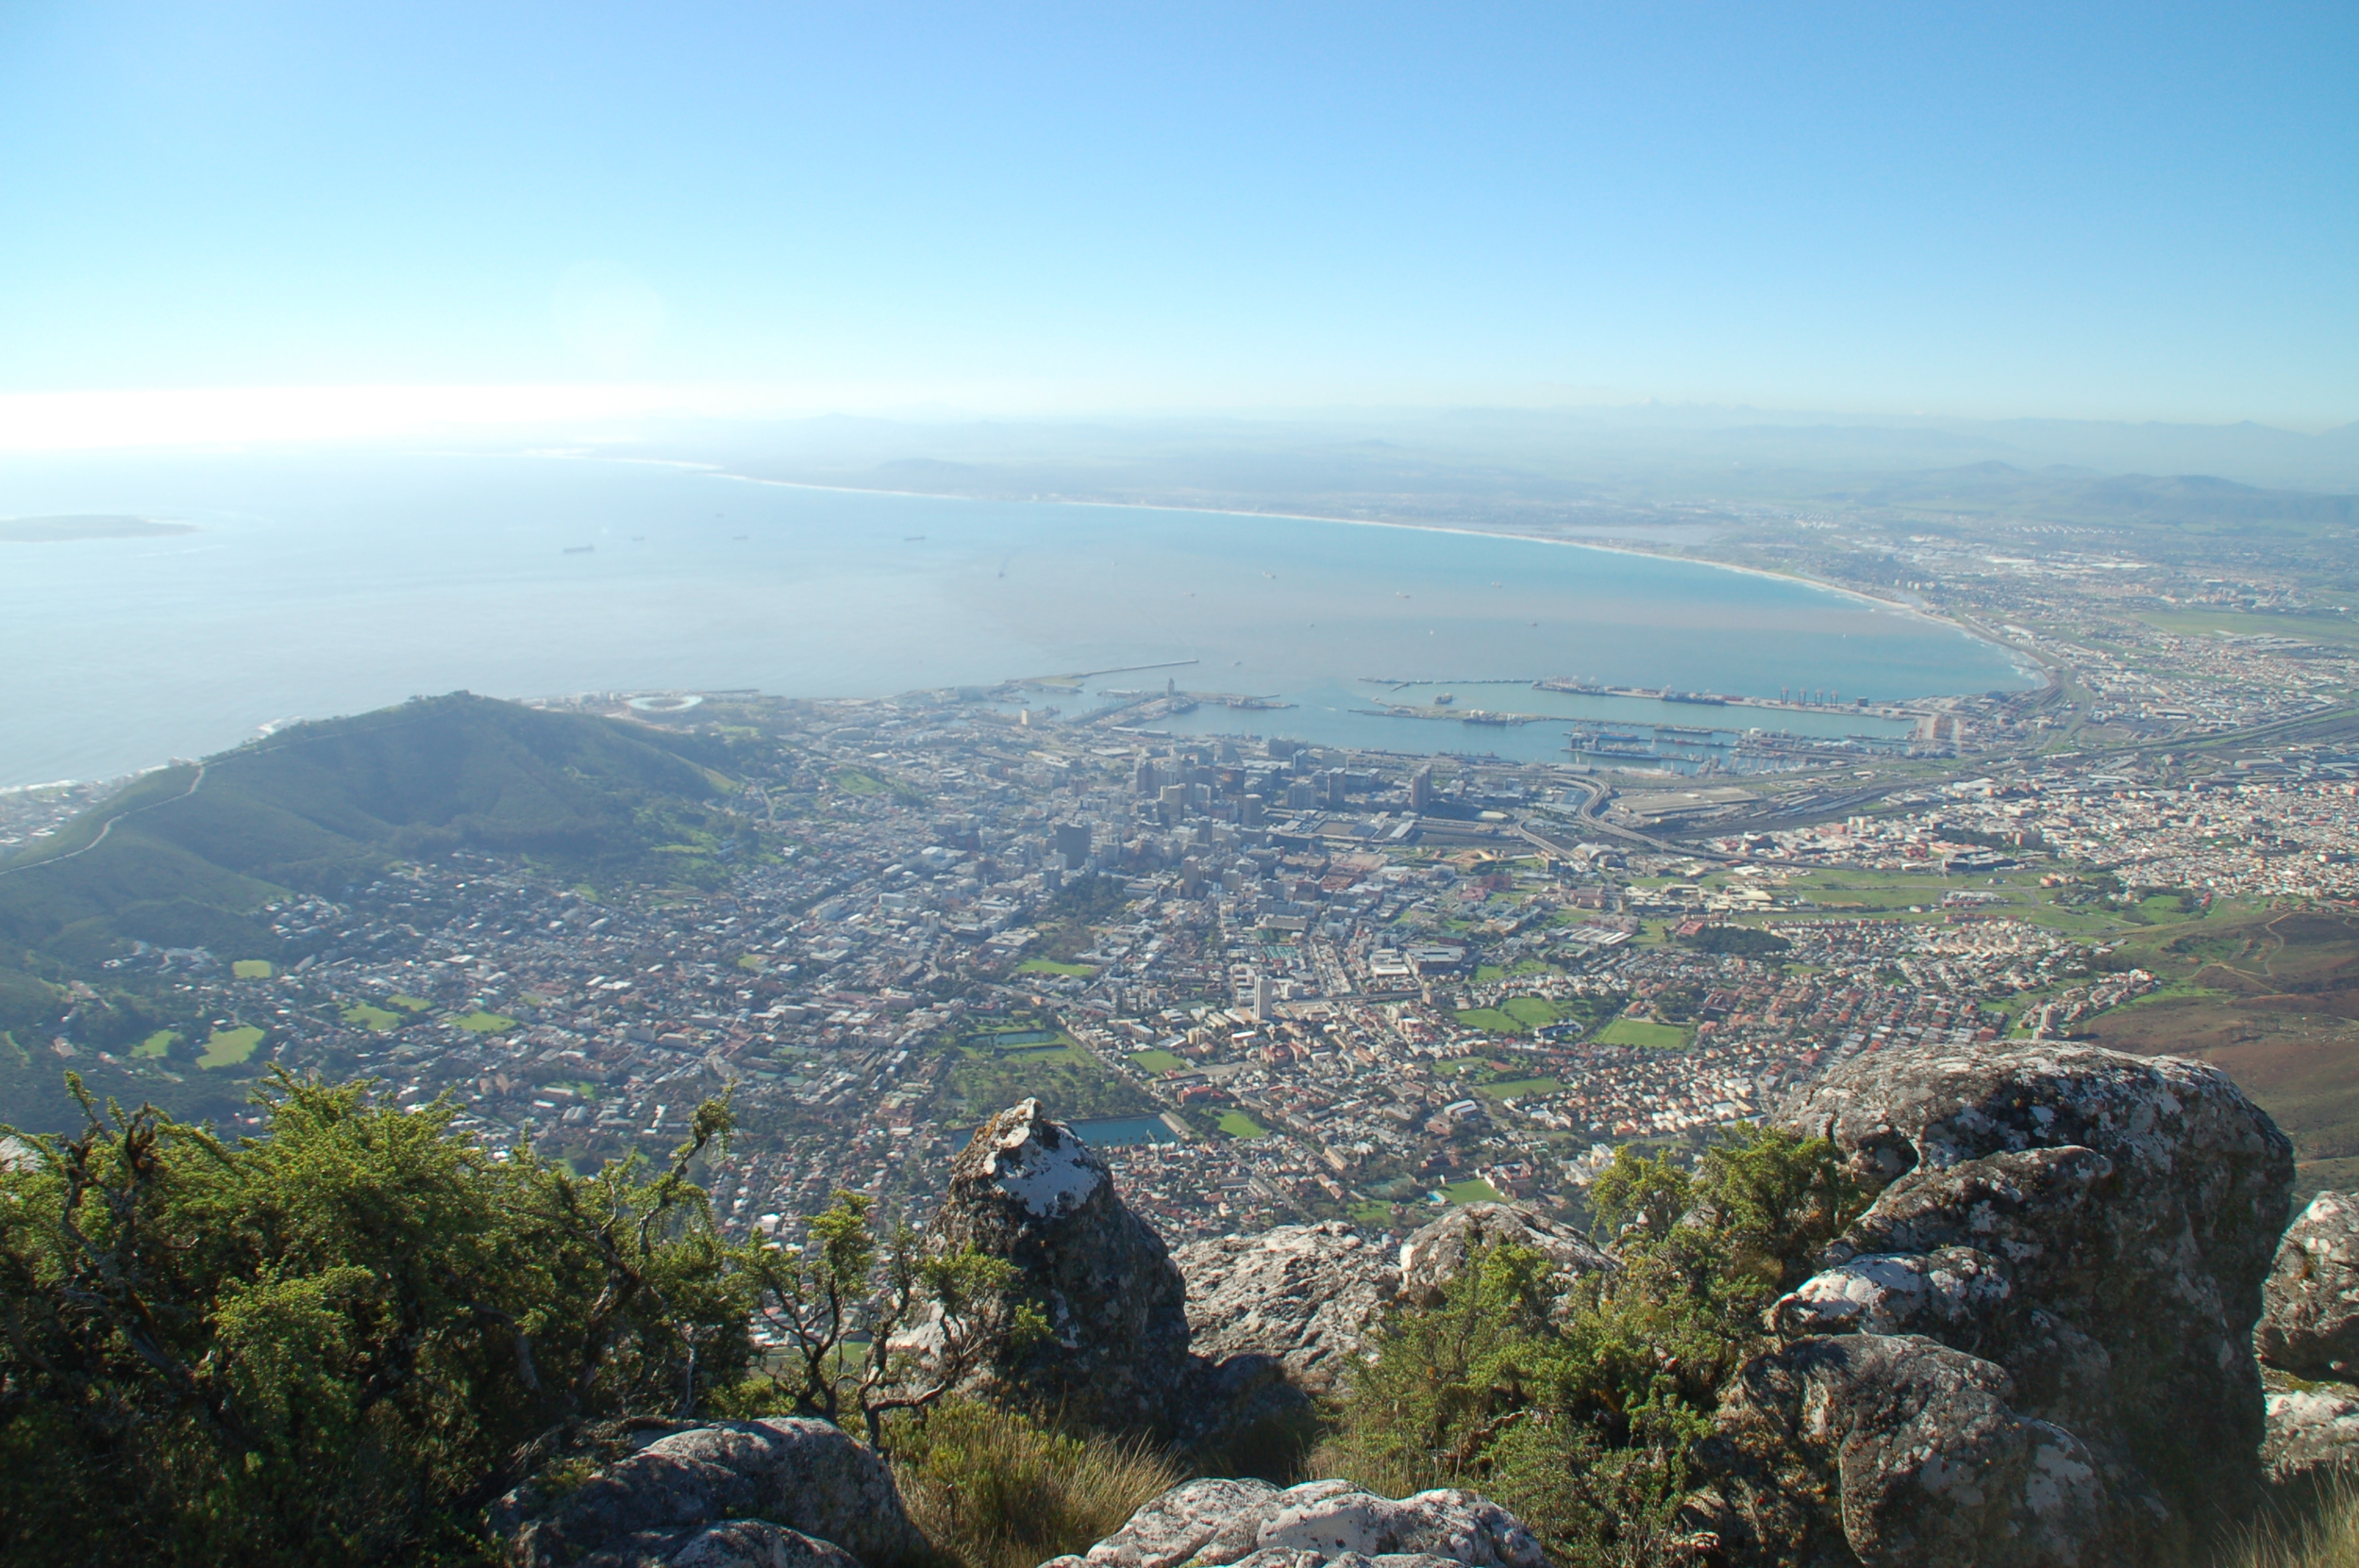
column 1624, row 466
column 2128, row 497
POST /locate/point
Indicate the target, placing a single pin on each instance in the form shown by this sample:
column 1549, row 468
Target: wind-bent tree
column 927, row 1317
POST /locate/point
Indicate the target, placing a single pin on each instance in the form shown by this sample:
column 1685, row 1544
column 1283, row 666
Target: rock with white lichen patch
column 1026, row 1189
column 1893, row 1449
column 1435, row 1253
column 1304, row 1297
column 1211, row 1524
column 776, row 1493
column 2312, row 1433
column 2310, row 1326
column 2056, row 1286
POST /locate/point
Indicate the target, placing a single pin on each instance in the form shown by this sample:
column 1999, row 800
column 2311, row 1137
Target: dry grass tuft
column 1390, row 1474
column 2317, row 1527
column 991, row 1489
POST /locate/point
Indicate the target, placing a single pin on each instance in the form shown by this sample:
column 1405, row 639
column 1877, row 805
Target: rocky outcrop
column 2056, row 1285
column 2310, row 1312
column 1318, row 1524
column 777, row 1493
column 1027, row 1189
column 1432, row 1256
column 2311, row 1432
column 1302, row 1296
column 1303, row 1300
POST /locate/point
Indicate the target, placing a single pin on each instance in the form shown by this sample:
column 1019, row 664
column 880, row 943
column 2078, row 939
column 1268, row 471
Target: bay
column 318, row 584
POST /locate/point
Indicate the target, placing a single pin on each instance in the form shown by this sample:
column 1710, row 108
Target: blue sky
column 2140, row 211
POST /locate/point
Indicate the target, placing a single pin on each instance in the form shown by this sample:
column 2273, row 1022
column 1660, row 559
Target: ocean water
column 319, row 585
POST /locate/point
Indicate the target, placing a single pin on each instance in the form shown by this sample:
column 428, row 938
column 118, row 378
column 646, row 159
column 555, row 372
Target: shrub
column 1578, row 1410
column 847, row 1283
column 328, row 1341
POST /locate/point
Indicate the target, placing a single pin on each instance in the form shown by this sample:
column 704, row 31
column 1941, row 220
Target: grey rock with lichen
column 2310, row 1320
column 758, row 1543
column 2089, row 1228
column 1434, row 1254
column 1027, row 1189
column 1902, row 1452
column 2311, row 1432
column 1304, row 1295
column 1209, row 1524
column 773, row 1494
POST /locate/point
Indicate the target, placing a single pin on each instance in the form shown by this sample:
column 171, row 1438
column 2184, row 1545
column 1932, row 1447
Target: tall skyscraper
column 1421, row 789
column 1072, row 843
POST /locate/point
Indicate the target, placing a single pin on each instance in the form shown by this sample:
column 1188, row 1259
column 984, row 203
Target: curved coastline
column 2015, row 655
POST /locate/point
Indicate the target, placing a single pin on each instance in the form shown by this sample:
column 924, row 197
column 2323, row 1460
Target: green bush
column 329, row 1343
column 1575, row 1403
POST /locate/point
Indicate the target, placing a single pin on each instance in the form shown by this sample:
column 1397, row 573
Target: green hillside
column 179, row 859
column 189, row 856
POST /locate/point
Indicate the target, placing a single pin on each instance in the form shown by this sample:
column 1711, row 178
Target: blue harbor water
column 312, row 587
column 1115, row 1131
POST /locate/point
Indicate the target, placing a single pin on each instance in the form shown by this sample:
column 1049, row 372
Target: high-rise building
column 1072, row 843
column 1249, row 811
column 1336, row 779
column 1421, row 789
column 1144, row 782
column 1263, row 994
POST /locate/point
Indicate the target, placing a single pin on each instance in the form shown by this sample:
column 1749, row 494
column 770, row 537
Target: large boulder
column 1434, row 1254
column 2310, row 1316
column 1028, row 1190
column 1209, row 1524
column 2090, row 1229
column 776, row 1493
column 1903, row 1453
column 1302, row 1296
